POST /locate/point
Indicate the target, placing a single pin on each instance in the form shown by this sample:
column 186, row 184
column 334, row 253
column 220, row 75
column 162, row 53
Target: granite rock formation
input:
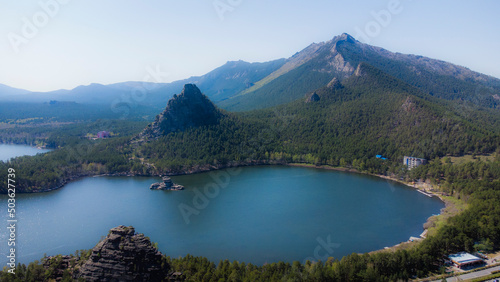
column 334, row 84
column 189, row 109
column 314, row 97
column 167, row 184
column 124, row 256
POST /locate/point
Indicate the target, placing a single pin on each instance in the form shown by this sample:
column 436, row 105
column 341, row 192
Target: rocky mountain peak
column 189, row 109
column 123, row 256
column 339, row 40
column 345, row 37
column 190, row 91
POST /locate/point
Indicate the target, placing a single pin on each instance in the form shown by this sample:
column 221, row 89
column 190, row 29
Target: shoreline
column 44, row 147
column 208, row 168
column 431, row 194
column 202, row 169
column 192, row 170
column 352, row 170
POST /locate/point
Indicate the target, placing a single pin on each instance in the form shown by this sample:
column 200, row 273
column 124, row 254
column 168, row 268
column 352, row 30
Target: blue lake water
column 253, row 214
column 8, row 151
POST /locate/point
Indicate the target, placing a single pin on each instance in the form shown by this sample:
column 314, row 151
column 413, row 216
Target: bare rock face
column 409, row 105
column 189, row 109
column 59, row 265
column 313, row 98
column 123, row 256
column 360, row 70
column 334, row 84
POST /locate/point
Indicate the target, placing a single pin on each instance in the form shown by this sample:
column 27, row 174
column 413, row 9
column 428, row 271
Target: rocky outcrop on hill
column 360, row 70
column 59, row 266
column 124, row 256
column 334, row 84
column 189, row 109
column 312, row 98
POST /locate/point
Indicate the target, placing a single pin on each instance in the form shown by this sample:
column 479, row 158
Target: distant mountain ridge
column 7, row 91
column 219, row 84
column 241, row 86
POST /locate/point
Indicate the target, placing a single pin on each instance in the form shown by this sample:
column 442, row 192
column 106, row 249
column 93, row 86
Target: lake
column 8, row 151
column 252, row 214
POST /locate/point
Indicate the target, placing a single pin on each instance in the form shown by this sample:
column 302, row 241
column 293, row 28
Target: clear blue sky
column 110, row 41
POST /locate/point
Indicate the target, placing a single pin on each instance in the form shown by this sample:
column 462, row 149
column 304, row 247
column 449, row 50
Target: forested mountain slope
column 368, row 114
column 339, row 58
column 344, row 123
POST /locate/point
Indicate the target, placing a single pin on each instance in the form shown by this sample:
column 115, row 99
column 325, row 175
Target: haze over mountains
column 219, row 84
column 239, row 85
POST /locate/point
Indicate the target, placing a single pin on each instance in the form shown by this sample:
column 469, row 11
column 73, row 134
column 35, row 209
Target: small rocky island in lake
column 167, row 184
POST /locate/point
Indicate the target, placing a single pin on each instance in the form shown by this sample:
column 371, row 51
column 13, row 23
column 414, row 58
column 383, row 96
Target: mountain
column 89, row 94
column 6, row 92
column 291, row 63
column 347, row 123
column 94, row 93
column 127, row 100
column 189, row 109
column 234, row 77
column 239, row 85
column 219, row 84
column 343, row 123
column 338, row 58
column 372, row 113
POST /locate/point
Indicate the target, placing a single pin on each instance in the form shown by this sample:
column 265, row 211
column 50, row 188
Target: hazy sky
column 66, row 43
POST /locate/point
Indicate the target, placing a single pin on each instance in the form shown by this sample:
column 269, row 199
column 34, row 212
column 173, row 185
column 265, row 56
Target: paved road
column 473, row 275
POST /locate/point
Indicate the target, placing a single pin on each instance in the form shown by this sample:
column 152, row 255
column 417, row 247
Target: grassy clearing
column 453, row 207
column 468, row 158
column 399, row 247
column 493, row 255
